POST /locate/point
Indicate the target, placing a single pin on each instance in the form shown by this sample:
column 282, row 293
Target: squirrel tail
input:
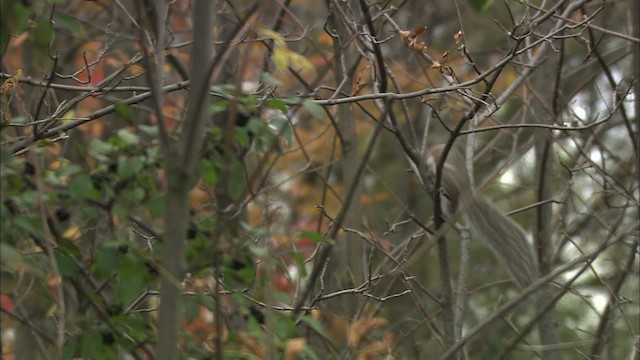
column 505, row 238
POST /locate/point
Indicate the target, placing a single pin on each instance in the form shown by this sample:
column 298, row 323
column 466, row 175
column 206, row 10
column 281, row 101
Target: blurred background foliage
column 84, row 178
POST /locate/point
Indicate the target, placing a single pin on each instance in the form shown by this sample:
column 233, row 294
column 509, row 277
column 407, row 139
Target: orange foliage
column 363, row 326
column 203, row 329
column 293, row 347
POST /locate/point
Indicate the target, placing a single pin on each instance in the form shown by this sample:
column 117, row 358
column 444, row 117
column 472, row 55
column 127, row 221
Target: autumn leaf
column 410, row 39
column 293, row 347
column 419, row 30
column 11, row 84
column 361, row 80
column 283, row 58
column 377, row 348
column 6, row 304
column 361, row 327
column 458, row 37
column 276, row 37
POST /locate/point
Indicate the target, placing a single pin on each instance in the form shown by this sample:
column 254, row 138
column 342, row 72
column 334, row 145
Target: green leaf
column 314, row 236
column 275, row 103
column 68, row 247
column 239, row 270
column 155, row 206
column 206, row 301
column 218, row 106
column 130, row 286
column 284, row 326
column 42, row 35
column 133, row 196
column 13, row 20
column 151, row 130
column 68, row 22
column 480, row 5
column 237, row 182
column 6, row 156
column 69, row 170
column 209, row 173
column 259, row 251
column 100, row 147
column 294, row 100
column 66, row 264
column 207, row 224
column 91, row 343
column 314, row 109
column 128, row 138
column 241, row 135
column 264, row 135
column 136, row 328
column 268, row 79
column 307, row 353
column 191, row 309
column 226, row 89
column 313, row 323
column 81, row 187
column 283, row 127
column 124, row 111
column 107, row 260
column 258, row 127
column 11, row 258
column 69, row 348
column 129, row 167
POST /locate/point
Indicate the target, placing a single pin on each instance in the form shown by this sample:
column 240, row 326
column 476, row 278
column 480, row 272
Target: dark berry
column 62, row 214
column 107, row 338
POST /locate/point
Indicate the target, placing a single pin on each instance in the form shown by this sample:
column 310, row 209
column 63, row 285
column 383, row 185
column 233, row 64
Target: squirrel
column 504, row 237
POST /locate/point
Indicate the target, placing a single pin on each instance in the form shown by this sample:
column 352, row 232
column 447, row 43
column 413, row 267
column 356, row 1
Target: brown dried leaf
column 419, row 30
column 458, row 37
column 405, row 36
column 420, row 47
column 377, row 348
column 361, row 80
column 293, row 347
column 251, row 345
column 410, row 39
column 361, row 327
column 11, row 83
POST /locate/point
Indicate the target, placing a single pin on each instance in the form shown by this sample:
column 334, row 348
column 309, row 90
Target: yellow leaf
column 73, row 233
column 52, row 310
column 277, row 38
column 283, row 58
column 69, row 116
column 57, row 164
column 280, row 58
column 11, row 83
column 300, row 61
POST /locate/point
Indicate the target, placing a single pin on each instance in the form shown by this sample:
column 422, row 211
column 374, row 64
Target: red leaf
column 6, row 304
